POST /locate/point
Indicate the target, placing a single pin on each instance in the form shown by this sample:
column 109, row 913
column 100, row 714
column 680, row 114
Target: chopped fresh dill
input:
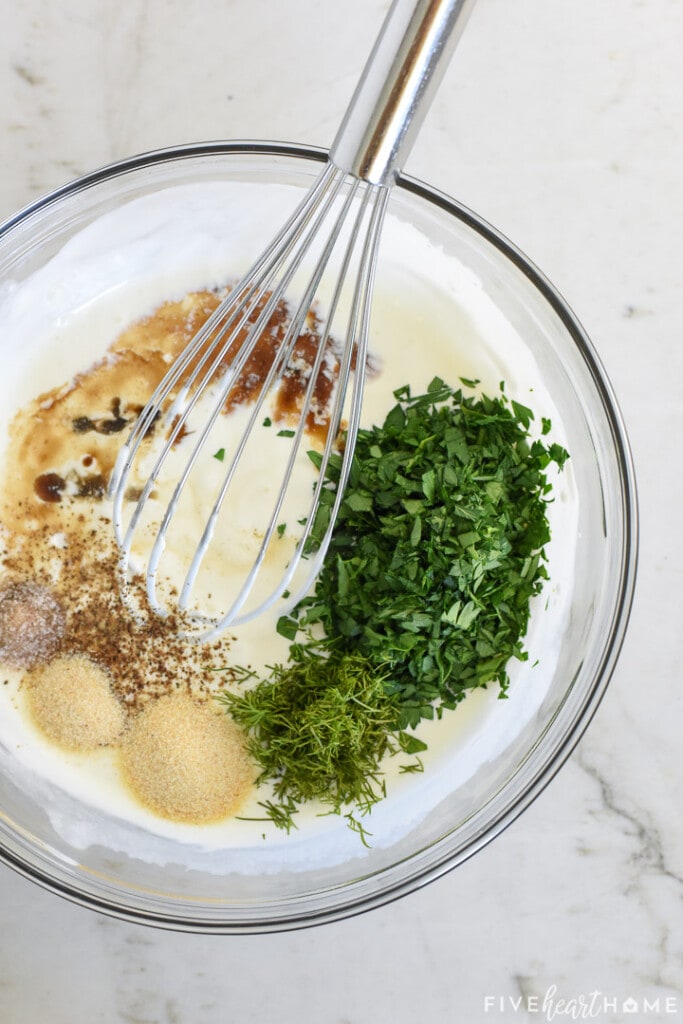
column 318, row 728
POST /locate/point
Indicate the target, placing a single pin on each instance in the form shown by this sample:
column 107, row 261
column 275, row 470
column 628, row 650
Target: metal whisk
column 338, row 223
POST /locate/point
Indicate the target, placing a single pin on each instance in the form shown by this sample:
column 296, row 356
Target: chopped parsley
column 438, row 547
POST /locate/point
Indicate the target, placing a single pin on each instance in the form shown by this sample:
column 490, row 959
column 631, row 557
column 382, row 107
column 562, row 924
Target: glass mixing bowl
column 451, row 267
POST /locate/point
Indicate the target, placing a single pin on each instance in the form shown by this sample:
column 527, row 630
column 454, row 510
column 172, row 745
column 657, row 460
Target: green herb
column 424, row 594
column 285, row 433
column 267, row 422
column 318, row 727
column 282, row 814
column 438, row 546
column 281, row 529
column 220, row 454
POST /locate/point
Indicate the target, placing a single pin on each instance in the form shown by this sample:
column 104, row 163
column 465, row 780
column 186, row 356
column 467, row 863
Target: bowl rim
column 349, row 905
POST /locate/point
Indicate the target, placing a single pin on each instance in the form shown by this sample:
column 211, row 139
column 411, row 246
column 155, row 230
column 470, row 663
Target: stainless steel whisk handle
column 397, row 85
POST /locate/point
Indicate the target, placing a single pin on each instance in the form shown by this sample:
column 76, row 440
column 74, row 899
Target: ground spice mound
column 71, row 701
column 143, row 655
column 186, row 761
column 32, row 624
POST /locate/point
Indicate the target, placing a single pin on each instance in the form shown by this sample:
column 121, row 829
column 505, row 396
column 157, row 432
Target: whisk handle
column 398, row 83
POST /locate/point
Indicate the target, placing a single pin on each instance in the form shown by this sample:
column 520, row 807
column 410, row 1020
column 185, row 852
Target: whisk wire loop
column 369, row 215
column 241, row 302
column 358, row 329
column 181, row 409
column 271, row 380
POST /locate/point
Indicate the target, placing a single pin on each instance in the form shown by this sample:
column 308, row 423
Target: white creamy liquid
column 437, row 320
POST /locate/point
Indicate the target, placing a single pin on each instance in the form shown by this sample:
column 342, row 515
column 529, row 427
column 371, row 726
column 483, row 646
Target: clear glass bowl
column 513, row 748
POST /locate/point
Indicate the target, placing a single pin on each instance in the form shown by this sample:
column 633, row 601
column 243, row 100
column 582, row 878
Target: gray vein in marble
column 526, row 988
column 648, row 859
column 28, row 76
column 631, row 312
column 650, row 853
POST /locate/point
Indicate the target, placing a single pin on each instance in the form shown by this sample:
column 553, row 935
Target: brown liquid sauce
column 65, row 442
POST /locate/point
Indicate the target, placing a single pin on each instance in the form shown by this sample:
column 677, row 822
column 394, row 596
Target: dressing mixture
column 122, row 711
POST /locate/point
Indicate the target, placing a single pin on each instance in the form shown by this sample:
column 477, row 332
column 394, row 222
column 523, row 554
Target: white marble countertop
column 561, row 123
